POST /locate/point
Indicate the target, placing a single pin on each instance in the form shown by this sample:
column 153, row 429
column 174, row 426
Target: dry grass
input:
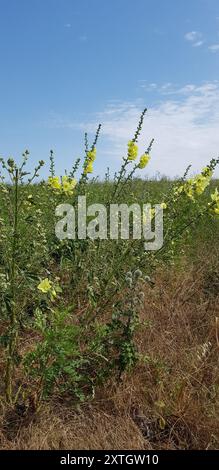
column 170, row 401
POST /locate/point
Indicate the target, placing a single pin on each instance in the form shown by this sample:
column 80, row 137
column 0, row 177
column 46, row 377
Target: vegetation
column 90, row 322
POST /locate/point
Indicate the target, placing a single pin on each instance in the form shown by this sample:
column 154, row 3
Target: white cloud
column 193, row 36
column 214, row 48
column 198, row 43
column 166, row 86
column 148, row 86
column 184, row 125
column 172, row 89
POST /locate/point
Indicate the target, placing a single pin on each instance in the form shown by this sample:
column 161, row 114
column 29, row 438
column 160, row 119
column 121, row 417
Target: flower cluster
column 144, row 160
column 54, row 182
column 65, row 185
column 132, row 150
column 89, row 160
column 215, row 202
column 68, row 185
column 133, row 153
column 197, row 185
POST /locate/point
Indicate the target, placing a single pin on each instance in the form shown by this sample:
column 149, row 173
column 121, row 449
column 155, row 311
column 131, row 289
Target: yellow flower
column 89, row 168
column 89, row 160
column 207, row 172
column 201, row 182
column 189, row 191
column 163, row 205
column 197, row 185
column 178, row 190
column 45, row 285
column 132, row 150
column 215, row 196
column 144, row 160
column 68, row 185
column 91, row 155
column 215, row 200
column 53, row 182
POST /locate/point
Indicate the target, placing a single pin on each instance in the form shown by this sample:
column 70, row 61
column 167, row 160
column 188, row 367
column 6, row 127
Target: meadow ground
column 169, row 397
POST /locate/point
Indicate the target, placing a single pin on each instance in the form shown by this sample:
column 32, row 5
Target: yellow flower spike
column 132, row 151
column 198, row 184
column 45, row 285
column 215, row 200
column 215, row 196
column 144, row 161
column 91, row 155
column 89, row 168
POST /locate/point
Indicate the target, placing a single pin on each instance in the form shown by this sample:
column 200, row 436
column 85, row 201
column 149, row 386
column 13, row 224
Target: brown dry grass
column 168, row 402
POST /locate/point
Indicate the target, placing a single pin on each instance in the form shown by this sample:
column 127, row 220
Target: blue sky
column 67, row 65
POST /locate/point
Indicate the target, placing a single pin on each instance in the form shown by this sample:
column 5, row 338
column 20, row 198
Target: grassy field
column 105, row 345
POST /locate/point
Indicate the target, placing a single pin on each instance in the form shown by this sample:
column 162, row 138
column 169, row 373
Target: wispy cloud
column 195, row 38
column 198, row 43
column 67, row 25
column 148, row 86
column 185, row 128
column 192, row 36
column 173, row 89
column 214, row 48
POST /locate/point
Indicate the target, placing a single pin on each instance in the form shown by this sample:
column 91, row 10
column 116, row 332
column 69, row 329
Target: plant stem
column 13, row 332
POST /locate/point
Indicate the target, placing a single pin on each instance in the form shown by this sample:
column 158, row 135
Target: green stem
column 13, row 331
